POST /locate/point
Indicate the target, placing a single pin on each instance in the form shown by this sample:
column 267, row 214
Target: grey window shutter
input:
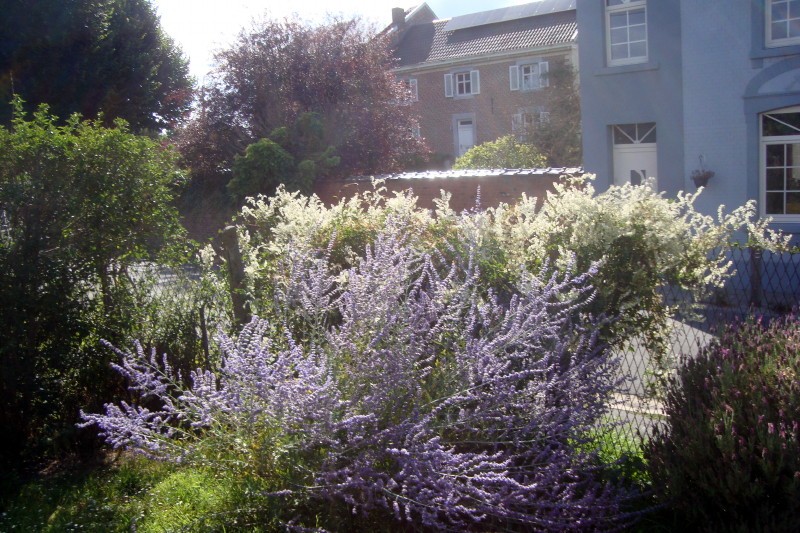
column 513, row 77
column 475, row 81
column 544, row 77
column 448, row 85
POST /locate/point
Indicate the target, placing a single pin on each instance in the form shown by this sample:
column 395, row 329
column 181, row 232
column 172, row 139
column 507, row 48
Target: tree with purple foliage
column 398, row 387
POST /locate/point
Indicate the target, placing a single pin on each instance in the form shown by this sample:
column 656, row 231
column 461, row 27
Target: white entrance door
column 633, row 163
column 466, row 136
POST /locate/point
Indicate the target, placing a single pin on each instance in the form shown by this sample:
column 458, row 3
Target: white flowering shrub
column 641, row 239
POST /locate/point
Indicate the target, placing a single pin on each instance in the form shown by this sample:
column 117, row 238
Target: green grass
column 86, row 499
column 133, row 492
column 155, row 497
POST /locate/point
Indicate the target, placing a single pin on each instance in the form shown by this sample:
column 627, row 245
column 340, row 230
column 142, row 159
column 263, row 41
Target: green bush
column 292, row 157
column 728, row 458
column 505, row 152
column 263, row 167
column 79, row 204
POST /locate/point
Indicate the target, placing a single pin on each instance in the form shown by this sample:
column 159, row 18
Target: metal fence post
column 233, row 256
column 755, row 276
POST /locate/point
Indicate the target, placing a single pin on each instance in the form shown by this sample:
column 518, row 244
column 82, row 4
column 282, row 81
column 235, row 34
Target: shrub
column 505, row 152
column 264, row 165
column 640, row 239
column 79, row 204
column 729, row 456
column 395, row 387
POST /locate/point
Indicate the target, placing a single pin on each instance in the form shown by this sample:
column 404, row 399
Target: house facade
column 672, row 89
column 477, row 77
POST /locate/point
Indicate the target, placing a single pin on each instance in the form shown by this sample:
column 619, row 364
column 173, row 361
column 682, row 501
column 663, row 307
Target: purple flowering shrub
column 397, row 387
column 728, row 458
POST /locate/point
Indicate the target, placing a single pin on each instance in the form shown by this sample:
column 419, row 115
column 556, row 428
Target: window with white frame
column 643, row 133
column 783, row 22
column 529, row 76
column 626, row 31
column 463, row 83
column 780, row 163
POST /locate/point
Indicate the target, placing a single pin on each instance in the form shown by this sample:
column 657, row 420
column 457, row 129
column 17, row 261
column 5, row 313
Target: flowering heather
column 398, row 386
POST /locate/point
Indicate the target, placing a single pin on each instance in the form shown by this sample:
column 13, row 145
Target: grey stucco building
column 670, row 87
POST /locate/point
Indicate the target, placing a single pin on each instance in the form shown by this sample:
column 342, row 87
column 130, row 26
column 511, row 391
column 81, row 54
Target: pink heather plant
column 396, row 387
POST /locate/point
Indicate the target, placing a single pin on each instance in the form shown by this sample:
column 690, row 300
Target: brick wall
column 494, row 189
column 492, row 108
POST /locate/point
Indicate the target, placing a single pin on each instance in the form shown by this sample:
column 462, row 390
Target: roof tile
column 429, row 42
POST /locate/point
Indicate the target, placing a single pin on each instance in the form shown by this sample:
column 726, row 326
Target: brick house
column 475, row 77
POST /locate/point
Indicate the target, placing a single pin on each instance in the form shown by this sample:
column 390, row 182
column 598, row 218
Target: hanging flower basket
column 700, row 177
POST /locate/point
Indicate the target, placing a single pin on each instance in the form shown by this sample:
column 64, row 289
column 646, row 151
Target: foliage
column 729, row 456
column 131, row 493
column 558, row 138
column 277, row 72
column 92, row 499
column 435, row 403
column 264, row 166
column 269, row 163
column 91, row 56
column 79, row 203
column 641, row 239
column 505, row 152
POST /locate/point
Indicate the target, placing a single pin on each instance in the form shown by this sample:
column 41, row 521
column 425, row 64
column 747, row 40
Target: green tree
column 559, row 137
column 79, row 203
column 91, row 56
column 268, row 163
column 505, row 152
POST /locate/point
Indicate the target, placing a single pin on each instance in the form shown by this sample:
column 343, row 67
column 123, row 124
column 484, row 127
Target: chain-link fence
column 184, row 311
column 762, row 284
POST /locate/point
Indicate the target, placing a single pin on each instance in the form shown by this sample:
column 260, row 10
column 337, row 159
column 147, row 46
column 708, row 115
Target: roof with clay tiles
column 489, row 33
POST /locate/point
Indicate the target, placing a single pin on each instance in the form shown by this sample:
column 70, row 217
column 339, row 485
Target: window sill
column 775, row 51
column 625, row 69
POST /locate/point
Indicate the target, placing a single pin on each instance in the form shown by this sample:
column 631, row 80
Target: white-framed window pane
column 794, row 28
column 619, row 51
column 638, row 33
column 775, row 153
column 792, row 155
column 775, row 179
column 636, row 16
column 792, row 203
column 635, row 133
column 782, row 178
column 626, row 27
column 793, row 178
column 783, row 22
column 774, row 201
column 619, row 36
column 781, row 124
column 638, row 49
column 618, row 20
column 779, row 30
column 463, row 83
column 780, row 11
